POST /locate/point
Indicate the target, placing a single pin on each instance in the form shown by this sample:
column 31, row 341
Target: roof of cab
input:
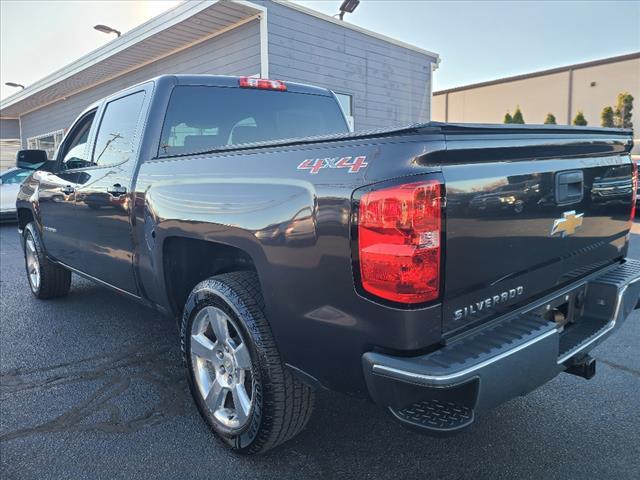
column 229, row 81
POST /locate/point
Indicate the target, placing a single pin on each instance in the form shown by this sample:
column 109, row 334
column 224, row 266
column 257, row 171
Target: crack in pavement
column 115, row 374
column 624, row 368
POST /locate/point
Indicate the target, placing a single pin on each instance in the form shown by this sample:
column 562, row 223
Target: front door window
column 74, row 154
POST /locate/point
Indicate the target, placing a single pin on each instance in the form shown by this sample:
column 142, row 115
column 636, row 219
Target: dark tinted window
column 202, row 118
column 116, row 140
column 75, row 146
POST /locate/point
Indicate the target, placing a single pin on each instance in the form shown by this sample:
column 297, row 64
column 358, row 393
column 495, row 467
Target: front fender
column 28, row 200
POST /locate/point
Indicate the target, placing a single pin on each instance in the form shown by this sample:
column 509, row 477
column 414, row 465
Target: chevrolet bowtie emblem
column 568, row 224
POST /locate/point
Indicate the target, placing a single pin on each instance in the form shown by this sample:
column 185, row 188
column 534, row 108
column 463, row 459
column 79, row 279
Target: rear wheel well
column 188, row 261
column 24, row 217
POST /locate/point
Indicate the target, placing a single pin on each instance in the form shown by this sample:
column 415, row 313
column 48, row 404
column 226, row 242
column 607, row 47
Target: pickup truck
column 436, row 269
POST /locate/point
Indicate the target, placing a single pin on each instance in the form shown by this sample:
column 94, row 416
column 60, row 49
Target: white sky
column 40, row 37
column 477, row 41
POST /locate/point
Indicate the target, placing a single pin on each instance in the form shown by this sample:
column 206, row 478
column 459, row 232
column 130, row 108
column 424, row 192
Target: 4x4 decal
column 314, row 165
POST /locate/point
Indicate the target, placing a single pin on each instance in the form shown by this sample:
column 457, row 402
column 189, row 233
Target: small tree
column 550, row 120
column 517, row 116
column 606, row 117
column 508, row 118
column 622, row 112
column 580, row 120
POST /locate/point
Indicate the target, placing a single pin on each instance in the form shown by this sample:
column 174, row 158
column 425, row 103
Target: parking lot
column 92, row 387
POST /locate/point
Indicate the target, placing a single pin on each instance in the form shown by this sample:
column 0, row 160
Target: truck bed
column 429, row 128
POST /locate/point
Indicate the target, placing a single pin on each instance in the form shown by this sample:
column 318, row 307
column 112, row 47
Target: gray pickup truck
column 437, row 269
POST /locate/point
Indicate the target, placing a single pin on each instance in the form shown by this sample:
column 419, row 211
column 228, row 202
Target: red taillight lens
column 263, row 83
column 399, row 242
column 635, row 190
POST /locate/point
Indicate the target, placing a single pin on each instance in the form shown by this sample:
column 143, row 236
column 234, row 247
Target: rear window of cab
column 202, row 118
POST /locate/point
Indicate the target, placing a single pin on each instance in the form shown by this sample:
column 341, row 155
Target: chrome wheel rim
column 221, row 366
column 33, row 266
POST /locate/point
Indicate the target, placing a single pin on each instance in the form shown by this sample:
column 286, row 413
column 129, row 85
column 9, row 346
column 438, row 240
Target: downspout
column 264, row 45
column 570, row 99
column 20, row 132
column 446, row 107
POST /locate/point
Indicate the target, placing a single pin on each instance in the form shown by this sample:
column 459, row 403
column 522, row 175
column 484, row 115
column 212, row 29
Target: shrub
column 580, row 120
column 517, row 116
column 606, row 117
column 622, row 112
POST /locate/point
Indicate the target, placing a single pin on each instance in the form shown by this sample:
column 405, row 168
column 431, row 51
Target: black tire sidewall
column 215, row 293
column 55, row 280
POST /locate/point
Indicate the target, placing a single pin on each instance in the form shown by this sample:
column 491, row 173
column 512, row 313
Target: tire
column 280, row 405
column 46, row 279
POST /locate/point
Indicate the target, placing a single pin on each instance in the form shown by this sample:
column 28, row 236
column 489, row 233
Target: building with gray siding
column 9, row 142
column 380, row 81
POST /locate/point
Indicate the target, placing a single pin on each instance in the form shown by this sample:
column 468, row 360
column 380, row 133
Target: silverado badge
column 568, row 224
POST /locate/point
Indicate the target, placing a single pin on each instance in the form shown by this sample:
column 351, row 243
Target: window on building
column 346, row 103
column 48, row 142
column 116, row 140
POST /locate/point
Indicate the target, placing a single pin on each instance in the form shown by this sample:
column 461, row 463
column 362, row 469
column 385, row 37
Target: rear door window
column 117, row 136
column 201, row 118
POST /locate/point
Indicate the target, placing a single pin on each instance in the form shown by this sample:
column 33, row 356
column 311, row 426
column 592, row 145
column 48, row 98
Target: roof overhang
column 188, row 24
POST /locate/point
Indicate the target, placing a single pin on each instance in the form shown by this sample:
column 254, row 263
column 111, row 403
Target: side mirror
column 31, row 159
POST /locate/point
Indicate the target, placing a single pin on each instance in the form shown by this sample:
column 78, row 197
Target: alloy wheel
column 33, row 265
column 222, row 367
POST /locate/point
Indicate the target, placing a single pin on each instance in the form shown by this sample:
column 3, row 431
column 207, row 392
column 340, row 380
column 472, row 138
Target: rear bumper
column 441, row 392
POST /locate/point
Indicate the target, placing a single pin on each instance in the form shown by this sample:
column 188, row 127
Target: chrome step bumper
column 509, row 357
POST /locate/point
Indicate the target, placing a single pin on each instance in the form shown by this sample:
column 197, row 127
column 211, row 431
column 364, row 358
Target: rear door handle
column 68, row 190
column 117, row 190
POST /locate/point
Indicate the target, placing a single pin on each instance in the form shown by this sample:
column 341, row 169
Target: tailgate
column 523, row 220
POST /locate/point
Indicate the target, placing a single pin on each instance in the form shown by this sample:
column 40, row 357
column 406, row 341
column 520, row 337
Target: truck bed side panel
column 295, row 225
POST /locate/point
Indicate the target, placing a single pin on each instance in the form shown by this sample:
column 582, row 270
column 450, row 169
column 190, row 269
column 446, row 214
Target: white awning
column 185, row 25
column 188, row 24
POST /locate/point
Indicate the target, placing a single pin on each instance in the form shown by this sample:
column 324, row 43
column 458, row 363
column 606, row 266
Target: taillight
column 634, row 197
column 262, row 83
column 399, row 242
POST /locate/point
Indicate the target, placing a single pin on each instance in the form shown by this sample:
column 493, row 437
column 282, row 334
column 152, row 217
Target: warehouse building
column 379, row 81
column 565, row 91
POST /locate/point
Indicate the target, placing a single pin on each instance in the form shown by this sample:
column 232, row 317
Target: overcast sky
column 477, row 41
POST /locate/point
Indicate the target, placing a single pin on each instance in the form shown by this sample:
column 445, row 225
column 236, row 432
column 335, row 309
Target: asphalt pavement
column 91, row 386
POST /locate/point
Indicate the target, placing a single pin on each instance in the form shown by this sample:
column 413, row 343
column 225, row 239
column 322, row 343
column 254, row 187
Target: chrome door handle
column 117, row 190
column 68, row 190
